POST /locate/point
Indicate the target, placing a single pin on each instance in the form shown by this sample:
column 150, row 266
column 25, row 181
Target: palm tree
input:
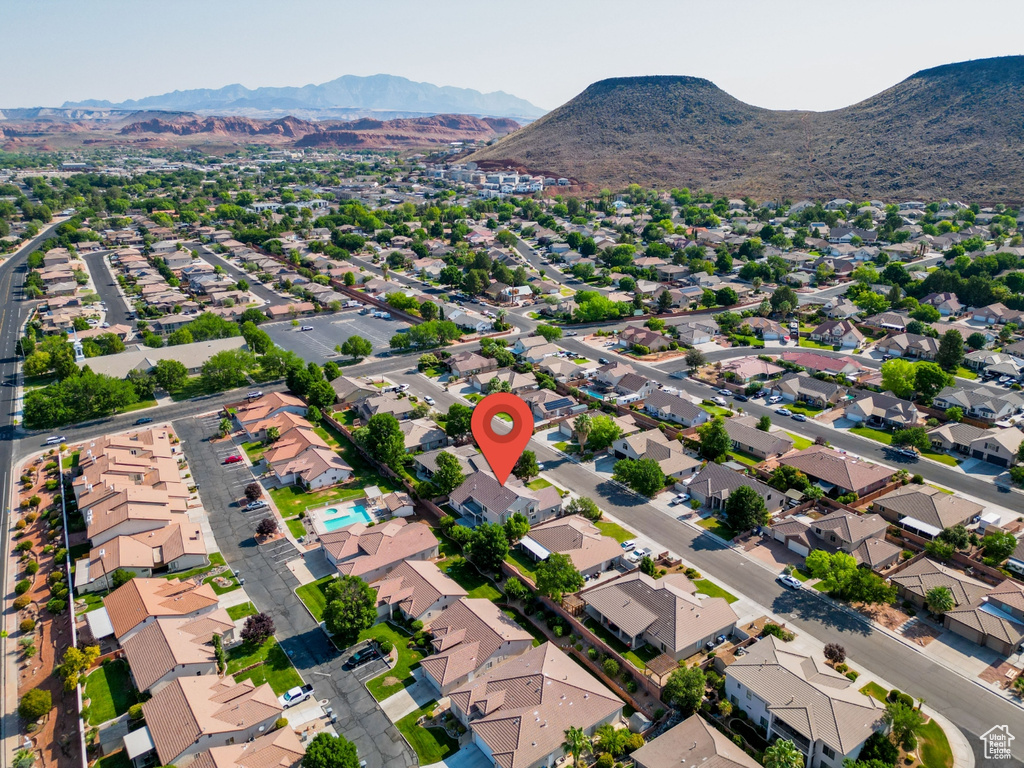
column 784, row 754
column 575, row 742
column 582, row 426
column 939, row 600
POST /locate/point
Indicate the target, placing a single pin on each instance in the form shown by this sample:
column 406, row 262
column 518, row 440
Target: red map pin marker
column 502, row 451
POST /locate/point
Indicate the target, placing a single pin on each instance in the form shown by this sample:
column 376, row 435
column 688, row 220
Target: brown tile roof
column 528, row 702
column 265, row 406
column 485, row 489
column 665, row 609
column 277, row 749
column 692, row 744
column 157, row 649
column 293, row 442
column 149, row 549
column 415, row 585
column 839, row 469
column 929, row 505
column 191, row 707
column 360, row 549
column 849, row 526
column 875, row 552
column 925, row 574
column 131, row 604
column 578, row 538
column 105, row 508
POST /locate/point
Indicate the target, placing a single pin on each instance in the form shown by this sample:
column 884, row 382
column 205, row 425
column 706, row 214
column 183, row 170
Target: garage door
column 978, row 454
column 997, row 460
column 799, row 548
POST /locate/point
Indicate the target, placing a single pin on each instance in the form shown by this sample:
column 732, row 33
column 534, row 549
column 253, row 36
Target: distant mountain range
column 337, row 98
column 954, row 131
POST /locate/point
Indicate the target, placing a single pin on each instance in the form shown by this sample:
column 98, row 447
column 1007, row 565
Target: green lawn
column 432, row 745
column 274, row 666
column 254, row 451
column 110, row 692
column 884, row 437
column 433, row 372
column 236, row 612
column 524, row 564
column 139, row 405
column 641, row 656
column 614, row 530
column 537, row 484
column 314, row 596
column 965, row 373
column 296, row 527
column 408, row 659
column 216, row 558
column 348, row 417
column 934, row 746
column 744, row 458
column 801, row 574
column 194, row 387
column 217, row 588
column 715, row 410
column 808, row 410
column 875, row 691
column 539, row 638
column 606, row 635
column 292, row 499
column 37, row 382
column 717, row 527
column 92, row 600
column 800, row 442
column 709, row 588
column 813, row 344
column 117, row 759
column 70, row 462
column 468, row 577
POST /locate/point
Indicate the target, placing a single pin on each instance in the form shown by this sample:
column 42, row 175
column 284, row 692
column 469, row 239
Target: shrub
column 281, row 722
column 917, row 480
column 21, row 525
column 135, row 712
column 605, row 760
column 35, row 703
column 27, row 625
column 776, row 631
column 692, row 574
column 32, row 517
column 32, row 567
column 611, row 667
column 592, row 653
column 22, row 587
column 386, row 646
column 853, row 674
column 266, row 527
column 841, row 667
column 21, row 602
column 56, row 605
column 23, row 546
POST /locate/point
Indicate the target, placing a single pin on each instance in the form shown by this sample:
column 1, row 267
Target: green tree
column 939, row 600
column 951, row 351
column 783, row 754
column 321, row 395
column 976, row 340
column 603, row 432
column 684, row 689
column 121, row 577
column 695, row 359
column 351, row 607
column 356, row 347
column 903, row 721
column 929, row 379
column 581, row 427
column 459, row 421
column 955, row 414
column 581, row 505
column 576, row 742
column 36, row 703
column 745, row 509
column 765, row 423
column 549, row 332
column 899, row 376
column 642, row 475
column 526, row 466
column 327, row 751
column 74, row 663
column 181, row 336
column 448, row 475
column 259, row 341
column 227, row 369
column 383, row 440
column 516, row 590
column 714, row 439
column 488, row 546
column 912, row 436
column 997, row 546
column 517, row 526
column 557, row 576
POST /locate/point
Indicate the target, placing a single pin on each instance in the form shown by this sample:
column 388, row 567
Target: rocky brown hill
column 953, row 131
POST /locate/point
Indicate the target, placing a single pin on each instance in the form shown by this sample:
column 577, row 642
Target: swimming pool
column 357, row 515
column 593, row 393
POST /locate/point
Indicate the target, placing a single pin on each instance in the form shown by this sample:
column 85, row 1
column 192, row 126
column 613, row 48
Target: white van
column 55, row 440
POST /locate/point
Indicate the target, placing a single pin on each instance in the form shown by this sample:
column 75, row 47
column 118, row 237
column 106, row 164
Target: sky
column 784, row 54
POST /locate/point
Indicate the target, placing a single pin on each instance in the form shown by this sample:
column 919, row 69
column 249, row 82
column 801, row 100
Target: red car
column 232, row 459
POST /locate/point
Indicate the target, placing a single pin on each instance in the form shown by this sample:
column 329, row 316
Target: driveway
column 408, row 700
column 271, row 586
column 469, row 756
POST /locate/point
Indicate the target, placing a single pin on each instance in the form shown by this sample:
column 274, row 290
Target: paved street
column 117, row 310
column 236, row 274
column 271, row 587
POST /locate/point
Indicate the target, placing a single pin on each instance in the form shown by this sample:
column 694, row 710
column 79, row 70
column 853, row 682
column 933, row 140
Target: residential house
column 610, row 374
column 470, row 460
column 195, row 714
column 654, row 444
column 956, row 436
column 889, row 321
column 350, row 390
column 996, row 314
column 110, row 512
column 998, row 446
column 177, row 546
column 744, row 370
column 715, row 482
column 693, row 742
column 174, row 647
column 633, row 387
column 766, row 329
column 482, row 499
column 840, row 471
column 947, row 304
column 399, row 407
column 518, row 711
column 994, row 363
column 841, row 530
column 813, row 362
column 664, row 613
column 803, row 388
column 634, row 335
column 466, row 364
column 746, row 437
column 669, row 407
column 996, row 623
column 980, row 403
column 546, row 404
column 910, row 345
column 373, row 552
column 798, row 698
column 841, row 309
column 694, row 332
column 470, row 637
column 301, row 456
column 518, row 382
column 537, row 353
column 882, row 410
column 417, row 590
column 525, row 343
column 926, row 510
column 422, row 435
column 142, row 601
column 280, row 748
column 840, row 333
column 591, row 552
column 271, row 404
column 563, row 370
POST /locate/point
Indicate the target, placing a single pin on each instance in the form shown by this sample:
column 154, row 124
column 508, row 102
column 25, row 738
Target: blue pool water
column 592, row 393
column 357, row 515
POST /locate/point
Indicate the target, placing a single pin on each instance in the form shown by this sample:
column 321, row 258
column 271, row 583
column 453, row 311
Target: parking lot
column 317, row 346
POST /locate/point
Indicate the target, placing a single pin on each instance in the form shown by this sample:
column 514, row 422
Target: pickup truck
column 295, row 695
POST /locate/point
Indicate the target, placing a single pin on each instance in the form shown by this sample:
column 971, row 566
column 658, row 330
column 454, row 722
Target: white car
column 626, row 545
column 639, row 554
column 790, row 582
column 783, row 412
column 428, row 400
column 306, row 328
column 719, row 401
column 682, row 498
column 774, row 399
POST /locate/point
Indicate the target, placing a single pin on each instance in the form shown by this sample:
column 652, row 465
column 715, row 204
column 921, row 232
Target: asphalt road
column 255, row 286
column 117, row 310
column 271, row 587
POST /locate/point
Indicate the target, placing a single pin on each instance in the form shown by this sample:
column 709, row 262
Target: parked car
column 907, row 452
column 774, row 399
column 428, row 400
column 790, row 582
column 718, row 400
column 629, row 544
column 306, row 328
column 603, row 360
column 681, row 498
column 783, row 412
column 360, row 657
column 799, row 417
column 725, row 392
column 258, row 504
column 143, row 420
column 233, row 459
column 741, row 398
column 571, row 333
column 254, row 394
column 639, row 554
column 294, row 696
column 55, row 440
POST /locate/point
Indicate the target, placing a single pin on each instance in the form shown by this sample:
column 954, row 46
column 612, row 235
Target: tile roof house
column 470, row 460
column 996, row 314
column 746, row 437
column 469, row 637
column 998, row 446
column 142, row 601
column 110, row 512
column 194, row 714
column 889, row 321
column 636, row 335
column 174, row 647
column 842, row 333
column 546, row 404
column 947, row 303
column 914, row 581
column 669, row 407
column 591, row 552
column 846, row 473
column 350, row 390
column 713, row 484
column 997, row 622
column 518, row 711
column 862, row 536
column 482, row 499
column 422, row 435
column 747, row 369
column 813, row 362
column 280, row 748
column 956, row 436
column 803, row 388
column 798, row 698
column 399, row 407
column 879, row 409
column 518, row 382
column 470, row 363
column 841, row 309
column 177, row 546
column 418, row 589
column 910, row 345
column 765, row 328
column 925, row 509
column 269, row 405
column 694, row 742
column 610, row 373
column 654, row 444
column 633, row 386
column 980, row 403
column 664, row 613
column 373, row 552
